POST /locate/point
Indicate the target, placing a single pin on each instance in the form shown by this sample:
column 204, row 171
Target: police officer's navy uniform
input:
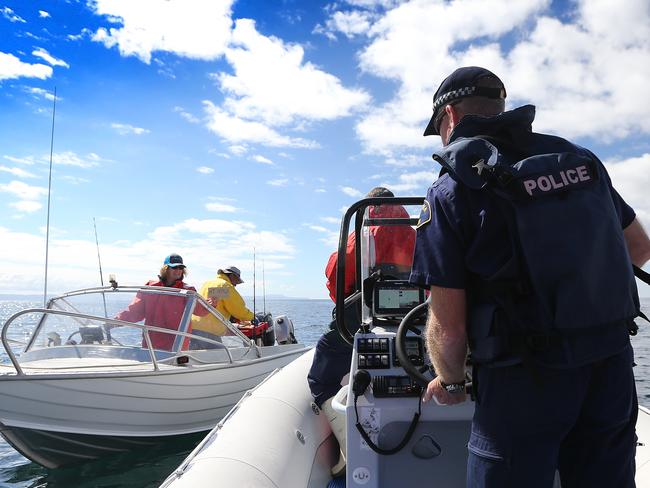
column 558, row 395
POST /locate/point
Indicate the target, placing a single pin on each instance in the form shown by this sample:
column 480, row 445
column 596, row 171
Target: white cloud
column 70, row 158
column 351, row 192
column 9, row 14
column 350, row 24
column 26, row 206
column 408, row 182
column 261, row 159
column 19, row 172
column 238, row 149
column 126, row 129
column 47, row 57
column 23, row 191
column 85, row 32
column 237, row 130
column 29, row 160
column 569, row 68
column 40, row 92
column 273, row 83
column 204, row 244
column 205, row 170
column 331, row 238
column 278, row 182
column 198, row 29
column 43, row 14
column 220, row 207
column 12, row 67
column 186, row 115
column 631, row 178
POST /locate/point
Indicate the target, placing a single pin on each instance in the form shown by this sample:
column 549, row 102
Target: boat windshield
column 386, row 250
column 107, row 313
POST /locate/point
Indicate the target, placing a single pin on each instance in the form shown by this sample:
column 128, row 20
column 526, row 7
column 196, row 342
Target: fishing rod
column 49, row 192
column 101, row 275
column 254, row 308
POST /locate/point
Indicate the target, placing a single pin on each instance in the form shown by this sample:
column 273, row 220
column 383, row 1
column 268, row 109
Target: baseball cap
column 460, row 84
column 232, row 270
column 174, row 260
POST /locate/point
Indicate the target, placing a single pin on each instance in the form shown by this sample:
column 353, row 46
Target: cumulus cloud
column 202, row 243
column 22, row 190
column 272, row 82
column 198, row 29
column 350, row 24
column 237, row 130
column 48, row 58
column 43, row 14
column 128, row 129
column 26, row 206
column 206, row 170
column 11, row 67
column 631, row 178
column 569, row 67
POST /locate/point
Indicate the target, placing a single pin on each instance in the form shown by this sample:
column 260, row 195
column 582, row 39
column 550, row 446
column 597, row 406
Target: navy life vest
column 571, row 263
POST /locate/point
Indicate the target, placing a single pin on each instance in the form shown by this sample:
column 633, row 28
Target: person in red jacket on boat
column 160, row 310
column 392, row 253
column 391, row 247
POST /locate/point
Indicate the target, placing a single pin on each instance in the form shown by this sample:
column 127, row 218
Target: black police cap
column 460, row 84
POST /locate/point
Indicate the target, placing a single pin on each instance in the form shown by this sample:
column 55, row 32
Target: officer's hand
column 442, row 396
column 254, row 321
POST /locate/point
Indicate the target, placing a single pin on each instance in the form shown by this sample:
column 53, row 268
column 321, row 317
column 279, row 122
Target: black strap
column 642, row 275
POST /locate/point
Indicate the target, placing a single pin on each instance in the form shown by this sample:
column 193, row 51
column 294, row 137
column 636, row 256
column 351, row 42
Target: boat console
column 392, row 438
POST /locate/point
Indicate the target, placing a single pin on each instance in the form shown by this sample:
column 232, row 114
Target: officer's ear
column 449, row 121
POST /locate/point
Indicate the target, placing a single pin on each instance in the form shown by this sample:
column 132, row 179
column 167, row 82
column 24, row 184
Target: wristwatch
column 453, row 388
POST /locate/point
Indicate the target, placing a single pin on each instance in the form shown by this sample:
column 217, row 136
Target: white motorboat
column 85, row 384
column 297, row 449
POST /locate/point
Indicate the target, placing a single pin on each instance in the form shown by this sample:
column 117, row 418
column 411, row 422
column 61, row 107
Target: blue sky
column 212, row 127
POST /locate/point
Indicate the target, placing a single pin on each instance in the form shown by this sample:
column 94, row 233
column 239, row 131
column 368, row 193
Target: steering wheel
column 417, row 374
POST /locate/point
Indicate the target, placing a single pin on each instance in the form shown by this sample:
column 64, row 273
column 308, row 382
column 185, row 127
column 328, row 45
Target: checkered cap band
column 452, row 95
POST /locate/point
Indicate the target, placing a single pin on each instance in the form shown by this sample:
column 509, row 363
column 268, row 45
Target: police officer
column 524, row 278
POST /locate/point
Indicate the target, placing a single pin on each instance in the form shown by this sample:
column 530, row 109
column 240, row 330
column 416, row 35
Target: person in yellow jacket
column 221, row 294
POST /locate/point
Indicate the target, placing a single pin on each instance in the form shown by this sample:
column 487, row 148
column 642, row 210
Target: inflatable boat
column 277, row 437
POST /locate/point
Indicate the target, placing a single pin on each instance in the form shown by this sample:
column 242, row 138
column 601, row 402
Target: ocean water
column 148, row 469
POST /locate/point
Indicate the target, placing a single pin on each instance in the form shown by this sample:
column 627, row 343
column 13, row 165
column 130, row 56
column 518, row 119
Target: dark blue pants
column 580, row 421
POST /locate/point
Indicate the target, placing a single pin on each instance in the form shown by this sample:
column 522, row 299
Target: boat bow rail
column 76, row 314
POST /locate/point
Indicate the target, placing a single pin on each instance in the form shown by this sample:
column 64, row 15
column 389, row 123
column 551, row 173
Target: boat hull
column 56, row 449
column 64, row 418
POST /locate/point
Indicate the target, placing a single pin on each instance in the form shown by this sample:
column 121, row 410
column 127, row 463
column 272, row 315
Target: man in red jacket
column 162, row 310
column 393, row 245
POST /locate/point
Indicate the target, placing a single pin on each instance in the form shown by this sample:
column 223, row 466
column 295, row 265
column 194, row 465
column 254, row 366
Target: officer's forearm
column 446, row 335
column 637, row 242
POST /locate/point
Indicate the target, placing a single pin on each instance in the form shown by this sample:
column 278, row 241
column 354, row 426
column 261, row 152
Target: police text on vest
column 546, row 183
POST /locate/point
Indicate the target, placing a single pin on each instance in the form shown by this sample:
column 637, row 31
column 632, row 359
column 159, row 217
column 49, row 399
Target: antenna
column 49, row 191
column 254, row 281
column 101, row 275
column 264, row 287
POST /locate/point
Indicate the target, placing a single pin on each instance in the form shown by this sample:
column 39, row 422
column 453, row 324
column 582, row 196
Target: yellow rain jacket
column 230, row 303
